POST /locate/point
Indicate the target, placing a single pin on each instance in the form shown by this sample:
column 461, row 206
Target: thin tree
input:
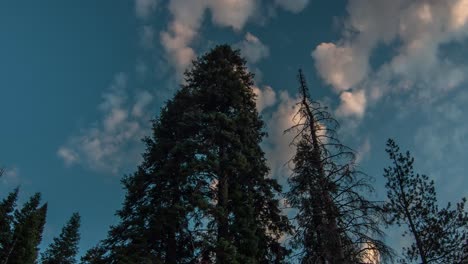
column 335, row 222
column 64, row 248
column 439, row 235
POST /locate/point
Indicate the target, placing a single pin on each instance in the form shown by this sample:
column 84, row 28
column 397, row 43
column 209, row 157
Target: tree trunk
column 223, row 227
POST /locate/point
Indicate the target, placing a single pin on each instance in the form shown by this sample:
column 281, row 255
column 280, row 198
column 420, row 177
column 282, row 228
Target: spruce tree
column 64, row 247
column 27, row 232
column 439, row 235
column 202, row 193
column 335, row 222
column 7, row 207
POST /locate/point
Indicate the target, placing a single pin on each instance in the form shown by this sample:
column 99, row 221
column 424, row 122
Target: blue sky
column 80, row 80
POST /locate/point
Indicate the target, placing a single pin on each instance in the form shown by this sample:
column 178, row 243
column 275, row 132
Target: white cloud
column 142, row 101
column 278, row 148
column 176, row 42
column 231, row 13
column 144, row 8
column 266, row 97
column 253, row 49
column 11, row 176
column 68, row 155
column 294, row 6
column 187, row 19
column 352, row 104
column 414, row 31
column 114, row 141
column 460, row 14
column 340, row 66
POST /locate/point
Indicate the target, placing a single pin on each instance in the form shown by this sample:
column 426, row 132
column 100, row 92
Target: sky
column 81, row 80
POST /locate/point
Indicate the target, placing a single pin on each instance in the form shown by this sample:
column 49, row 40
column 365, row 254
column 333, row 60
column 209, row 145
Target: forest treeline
column 203, row 193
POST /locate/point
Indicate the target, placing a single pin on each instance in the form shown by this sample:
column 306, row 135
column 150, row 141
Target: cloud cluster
column 104, row 144
column 113, row 141
column 415, row 31
column 187, row 18
column 278, row 146
column 253, row 49
column 265, row 97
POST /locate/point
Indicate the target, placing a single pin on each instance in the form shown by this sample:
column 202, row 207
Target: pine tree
column 440, row 235
column 202, row 193
column 335, row 222
column 27, row 232
column 65, row 247
column 7, row 207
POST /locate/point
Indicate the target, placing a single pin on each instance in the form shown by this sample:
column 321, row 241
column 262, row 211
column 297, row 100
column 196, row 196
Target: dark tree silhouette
column 28, row 225
column 202, row 192
column 335, row 222
column 7, row 208
column 64, row 248
column 440, row 235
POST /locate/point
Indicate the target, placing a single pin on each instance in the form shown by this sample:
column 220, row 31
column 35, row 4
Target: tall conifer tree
column 64, row 247
column 27, row 232
column 202, row 193
column 7, row 207
column 335, row 222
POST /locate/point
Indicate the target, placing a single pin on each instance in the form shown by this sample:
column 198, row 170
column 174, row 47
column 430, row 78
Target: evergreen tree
column 245, row 209
column 65, row 247
column 7, row 207
column 202, row 193
column 27, row 232
column 95, row 255
column 335, row 223
column 440, row 235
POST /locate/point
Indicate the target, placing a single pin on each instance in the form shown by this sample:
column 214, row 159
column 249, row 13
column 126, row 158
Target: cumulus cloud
column 414, row 31
column 278, row 146
column 114, row 141
column 144, row 8
column 352, row 104
column 187, row 19
column 231, row 13
column 340, row 66
column 294, row 6
column 253, row 49
column 266, row 97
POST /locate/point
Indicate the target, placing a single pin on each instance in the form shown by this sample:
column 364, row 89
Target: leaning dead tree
column 335, row 222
